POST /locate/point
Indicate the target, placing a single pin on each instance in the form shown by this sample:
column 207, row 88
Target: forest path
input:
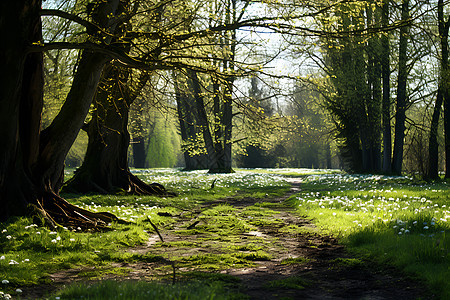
column 319, row 267
column 328, row 272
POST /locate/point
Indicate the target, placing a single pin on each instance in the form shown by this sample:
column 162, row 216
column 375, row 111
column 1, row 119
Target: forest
column 201, row 139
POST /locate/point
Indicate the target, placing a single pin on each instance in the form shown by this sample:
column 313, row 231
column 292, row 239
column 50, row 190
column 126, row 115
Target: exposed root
column 54, row 211
column 138, row 187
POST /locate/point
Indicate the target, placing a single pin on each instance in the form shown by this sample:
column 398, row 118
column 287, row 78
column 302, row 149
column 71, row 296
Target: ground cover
column 237, row 236
column 395, row 220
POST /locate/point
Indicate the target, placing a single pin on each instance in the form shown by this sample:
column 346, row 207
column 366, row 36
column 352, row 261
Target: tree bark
column 194, row 160
column 400, row 115
column 444, row 88
column 139, row 152
column 386, row 102
column 22, row 190
column 433, row 145
column 202, row 120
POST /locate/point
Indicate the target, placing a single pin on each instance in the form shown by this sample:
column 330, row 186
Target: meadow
column 392, row 221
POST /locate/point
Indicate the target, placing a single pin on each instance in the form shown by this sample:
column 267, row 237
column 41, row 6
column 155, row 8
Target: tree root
column 55, row 211
column 138, row 187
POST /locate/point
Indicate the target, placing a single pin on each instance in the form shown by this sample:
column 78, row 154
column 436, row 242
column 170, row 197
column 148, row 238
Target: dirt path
column 327, row 272
column 323, row 277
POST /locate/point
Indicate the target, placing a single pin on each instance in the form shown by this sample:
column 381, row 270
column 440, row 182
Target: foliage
column 163, row 147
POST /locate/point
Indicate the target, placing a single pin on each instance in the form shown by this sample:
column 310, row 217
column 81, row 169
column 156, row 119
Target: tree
column 401, row 103
column 195, row 156
column 105, row 166
column 354, row 66
column 386, row 102
column 32, row 161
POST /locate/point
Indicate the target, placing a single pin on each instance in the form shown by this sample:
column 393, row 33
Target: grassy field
column 389, row 220
column 392, row 220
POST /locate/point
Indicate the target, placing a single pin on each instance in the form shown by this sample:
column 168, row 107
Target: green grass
column 294, row 282
column 131, row 290
column 294, row 261
column 391, row 220
column 388, row 220
column 30, row 253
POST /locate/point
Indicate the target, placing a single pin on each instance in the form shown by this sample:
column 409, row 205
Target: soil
column 320, row 276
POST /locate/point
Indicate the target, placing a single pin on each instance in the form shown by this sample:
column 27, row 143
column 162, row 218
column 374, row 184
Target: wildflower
column 2, row 257
column 425, row 227
column 8, row 237
column 4, row 230
column 13, row 262
column 18, row 291
column 53, row 241
column 72, row 240
column 4, row 281
column 52, row 232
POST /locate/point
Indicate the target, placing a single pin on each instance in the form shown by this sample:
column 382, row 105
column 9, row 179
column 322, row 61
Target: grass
column 294, row 282
column 131, row 290
column 30, row 253
column 391, row 220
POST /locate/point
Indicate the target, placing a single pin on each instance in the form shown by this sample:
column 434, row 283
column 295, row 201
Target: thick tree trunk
column 57, row 139
column 400, row 115
column 20, row 101
column 105, row 166
column 22, row 191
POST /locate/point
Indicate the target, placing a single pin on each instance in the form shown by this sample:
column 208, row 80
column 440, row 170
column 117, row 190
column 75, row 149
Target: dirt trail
column 320, row 275
column 324, row 279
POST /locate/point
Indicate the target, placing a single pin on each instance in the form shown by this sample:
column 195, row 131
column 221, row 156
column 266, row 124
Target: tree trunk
column 444, row 88
column 386, row 102
column 20, row 101
column 400, row 115
column 433, row 146
column 374, row 97
column 193, row 158
column 105, row 166
column 22, row 190
column 202, row 121
column 139, row 152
